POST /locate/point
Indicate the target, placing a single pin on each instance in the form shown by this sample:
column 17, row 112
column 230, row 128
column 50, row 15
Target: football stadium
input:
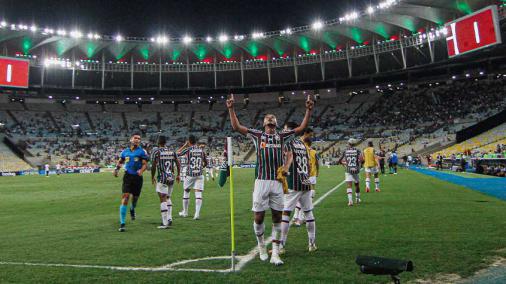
column 253, row 141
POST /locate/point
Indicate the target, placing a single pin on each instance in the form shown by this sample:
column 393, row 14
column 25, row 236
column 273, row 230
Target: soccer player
column 371, row 162
column 297, row 166
column 46, row 170
column 381, row 157
column 351, row 159
column 58, row 168
column 164, row 161
column 196, row 162
column 183, row 162
column 394, row 160
column 135, row 159
column 314, row 169
column 268, row 191
column 210, row 168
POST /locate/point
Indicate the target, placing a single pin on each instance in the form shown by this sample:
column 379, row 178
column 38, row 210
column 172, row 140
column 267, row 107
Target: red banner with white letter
column 14, row 72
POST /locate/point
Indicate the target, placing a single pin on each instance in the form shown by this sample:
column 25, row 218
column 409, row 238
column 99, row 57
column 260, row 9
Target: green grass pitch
column 73, row 219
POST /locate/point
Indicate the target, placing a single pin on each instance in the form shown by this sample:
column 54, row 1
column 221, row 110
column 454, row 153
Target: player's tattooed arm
column 236, row 125
column 182, row 148
column 307, row 116
column 119, row 164
column 178, row 167
column 153, row 169
column 288, row 161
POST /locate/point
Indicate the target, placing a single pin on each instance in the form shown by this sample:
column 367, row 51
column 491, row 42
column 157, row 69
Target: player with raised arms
column 165, row 162
column 136, row 162
column 268, row 191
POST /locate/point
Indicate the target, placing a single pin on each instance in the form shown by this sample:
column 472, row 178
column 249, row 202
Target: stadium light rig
column 209, row 39
column 318, row 25
column 223, row 38
column 118, row 38
column 187, row 39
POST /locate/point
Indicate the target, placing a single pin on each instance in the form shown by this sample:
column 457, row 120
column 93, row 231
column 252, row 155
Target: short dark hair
column 162, row 140
column 192, row 139
column 135, row 134
column 291, row 125
column 308, row 130
column 370, row 143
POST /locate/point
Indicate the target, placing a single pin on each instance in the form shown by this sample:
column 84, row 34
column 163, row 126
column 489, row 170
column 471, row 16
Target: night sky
column 174, row 17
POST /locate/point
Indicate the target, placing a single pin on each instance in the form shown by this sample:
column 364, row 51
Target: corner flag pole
column 232, row 223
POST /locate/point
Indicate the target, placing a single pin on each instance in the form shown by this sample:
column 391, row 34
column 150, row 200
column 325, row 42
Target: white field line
column 242, row 260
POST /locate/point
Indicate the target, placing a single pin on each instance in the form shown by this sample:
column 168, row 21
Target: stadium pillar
column 43, row 71
column 375, row 55
column 269, row 66
column 73, row 68
column 348, row 59
column 131, row 72
column 103, row 70
column 242, row 68
column 215, row 72
column 322, row 64
column 187, row 69
column 160, row 71
column 431, row 47
column 295, row 66
column 403, row 53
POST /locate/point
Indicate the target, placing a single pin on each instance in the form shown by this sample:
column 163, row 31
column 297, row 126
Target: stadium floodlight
column 77, row 98
column 76, row 34
column 257, row 35
column 318, row 25
column 223, row 38
column 50, row 97
column 482, row 73
column 96, row 36
column 23, row 27
column 238, row 37
column 33, row 29
column 209, row 39
column 351, row 16
column 370, row 10
column 118, row 38
column 187, row 39
column 61, row 32
column 3, row 24
column 90, row 36
column 162, row 40
column 286, row 31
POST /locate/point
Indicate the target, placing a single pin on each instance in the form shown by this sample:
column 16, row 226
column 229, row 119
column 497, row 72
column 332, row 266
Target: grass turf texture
column 73, row 219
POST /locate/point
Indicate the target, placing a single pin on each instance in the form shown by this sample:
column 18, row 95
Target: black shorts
column 132, row 184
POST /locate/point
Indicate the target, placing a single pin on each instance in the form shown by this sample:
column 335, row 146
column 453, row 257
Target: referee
column 135, row 159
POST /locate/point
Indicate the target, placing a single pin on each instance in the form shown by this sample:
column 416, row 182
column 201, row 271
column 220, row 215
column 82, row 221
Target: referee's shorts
column 132, row 184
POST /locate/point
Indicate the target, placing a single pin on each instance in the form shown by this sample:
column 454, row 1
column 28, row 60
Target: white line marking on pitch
column 242, row 260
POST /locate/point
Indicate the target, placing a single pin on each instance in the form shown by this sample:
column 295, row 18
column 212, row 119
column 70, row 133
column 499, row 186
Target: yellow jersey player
column 371, row 167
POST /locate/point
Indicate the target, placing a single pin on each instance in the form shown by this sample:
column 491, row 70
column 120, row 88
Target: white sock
column 198, row 202
column 357, row 195
column 296, row 213
column 259, row 232
column 276, row 234
column 377, row 183
column 186, row 201
column 368, row 183
column 169, row 208
column 311, row 227
column 285, row 226
column 163, row 211
column 349, row 191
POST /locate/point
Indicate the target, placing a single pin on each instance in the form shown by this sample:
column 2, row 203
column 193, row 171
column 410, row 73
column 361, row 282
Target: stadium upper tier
column 409, row 118
column 406, row 34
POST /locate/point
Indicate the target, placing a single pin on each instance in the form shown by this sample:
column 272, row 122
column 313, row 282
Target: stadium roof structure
column 386, row 21
column 388, row 27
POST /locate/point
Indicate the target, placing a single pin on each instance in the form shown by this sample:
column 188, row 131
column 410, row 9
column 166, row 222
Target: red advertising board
column 473, row 32
column 14, row 72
